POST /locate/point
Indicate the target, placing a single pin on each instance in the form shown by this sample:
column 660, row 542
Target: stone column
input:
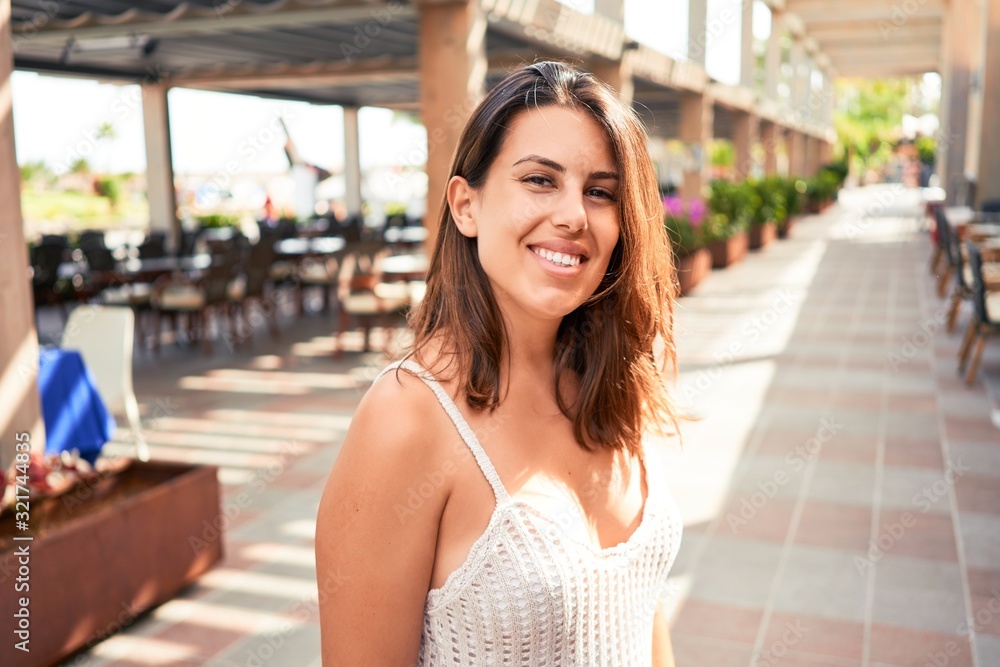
column 613, row 9
column 19, row 405
column 452, row 81
column 770, row 137
column 989, row 153
column 746, row 128
column 159, row 163
column 772, row 57
column 796, row 150
column 825, row 152
column 697, row 30
column 618, row 75
column 697, row 114
column 352, row 162
column 799, row 84
column 748, row 64
column 960, row 21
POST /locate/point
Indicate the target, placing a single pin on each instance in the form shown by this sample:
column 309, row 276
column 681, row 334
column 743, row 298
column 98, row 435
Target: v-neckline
column 596, row 548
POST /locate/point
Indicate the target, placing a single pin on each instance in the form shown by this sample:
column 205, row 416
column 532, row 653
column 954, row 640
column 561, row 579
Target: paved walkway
column 841, row 490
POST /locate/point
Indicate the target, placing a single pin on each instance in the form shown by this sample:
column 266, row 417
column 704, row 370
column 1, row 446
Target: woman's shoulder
column 400, row 410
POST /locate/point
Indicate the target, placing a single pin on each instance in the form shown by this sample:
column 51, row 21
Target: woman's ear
column 460, row 195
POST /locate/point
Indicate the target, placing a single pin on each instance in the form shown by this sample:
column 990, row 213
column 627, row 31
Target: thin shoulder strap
column 464, row 430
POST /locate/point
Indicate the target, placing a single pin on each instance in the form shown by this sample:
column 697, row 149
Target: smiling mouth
column 558, row 258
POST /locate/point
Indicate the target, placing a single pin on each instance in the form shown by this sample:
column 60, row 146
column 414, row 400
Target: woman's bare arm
column 663, row 650
column 374, row 549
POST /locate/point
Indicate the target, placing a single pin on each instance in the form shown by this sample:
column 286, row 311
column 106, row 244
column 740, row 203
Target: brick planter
column 692, row 269
column 728, row 251
column 761, row 235
column 104, row 553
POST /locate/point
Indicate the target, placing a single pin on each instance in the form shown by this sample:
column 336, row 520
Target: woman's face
column 546, row 217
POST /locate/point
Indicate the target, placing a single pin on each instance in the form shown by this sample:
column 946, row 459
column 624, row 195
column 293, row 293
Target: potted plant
column 106, row 543
column 790, row 191
column 761, row 198
column 725, row 229
column 820, row 190
column 683, row 224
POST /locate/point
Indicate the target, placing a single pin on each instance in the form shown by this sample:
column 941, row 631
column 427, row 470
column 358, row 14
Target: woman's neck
column 531, row 345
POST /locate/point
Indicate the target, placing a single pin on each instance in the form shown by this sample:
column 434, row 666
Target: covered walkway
column 833, row 420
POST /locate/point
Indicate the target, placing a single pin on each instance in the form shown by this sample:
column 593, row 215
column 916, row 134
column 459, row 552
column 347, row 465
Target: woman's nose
column 570, row 213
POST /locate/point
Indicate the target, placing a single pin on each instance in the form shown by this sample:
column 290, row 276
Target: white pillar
column 613, row 9
column 19, row 404
column 159, row 163
column 799, row 84
column 697, row 30
column 352, row 162
column 772, row 58
column 748, row 64
column 826, row 110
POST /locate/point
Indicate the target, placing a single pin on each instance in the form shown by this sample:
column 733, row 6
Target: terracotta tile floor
column 841, row 492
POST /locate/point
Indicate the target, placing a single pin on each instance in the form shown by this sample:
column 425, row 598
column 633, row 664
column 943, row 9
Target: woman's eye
column 601, row 192
column 538, row 180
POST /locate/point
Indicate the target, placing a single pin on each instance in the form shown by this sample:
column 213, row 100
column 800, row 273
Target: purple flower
column 674, row 206
column 696, row 212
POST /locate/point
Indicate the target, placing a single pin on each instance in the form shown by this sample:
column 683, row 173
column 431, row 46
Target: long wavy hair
column 608, row 341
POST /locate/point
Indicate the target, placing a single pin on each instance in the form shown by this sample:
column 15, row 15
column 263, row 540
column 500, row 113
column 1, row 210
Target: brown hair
column 609, row 339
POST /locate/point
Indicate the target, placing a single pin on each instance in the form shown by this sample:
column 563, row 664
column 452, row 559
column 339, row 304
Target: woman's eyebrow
column 555, row 166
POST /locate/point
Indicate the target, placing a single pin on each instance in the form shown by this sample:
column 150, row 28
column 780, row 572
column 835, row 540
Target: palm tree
column 106, row 132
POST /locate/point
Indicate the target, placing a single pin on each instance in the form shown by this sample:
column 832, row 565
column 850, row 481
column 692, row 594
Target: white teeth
column 558, row 257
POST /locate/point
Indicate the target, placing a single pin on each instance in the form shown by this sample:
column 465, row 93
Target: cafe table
column 74, row 414
column 301, row 248
column 404, row 268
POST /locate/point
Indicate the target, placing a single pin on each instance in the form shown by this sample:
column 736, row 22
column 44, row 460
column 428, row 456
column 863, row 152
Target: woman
column 522, row 524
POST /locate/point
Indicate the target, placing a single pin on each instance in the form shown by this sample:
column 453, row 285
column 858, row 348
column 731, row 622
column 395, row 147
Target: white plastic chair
column 104, row 336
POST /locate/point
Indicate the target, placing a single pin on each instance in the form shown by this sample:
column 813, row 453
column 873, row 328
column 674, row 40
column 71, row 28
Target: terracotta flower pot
column 728, row 251
column 761, row 235
column 786, row 229
column 692, row 269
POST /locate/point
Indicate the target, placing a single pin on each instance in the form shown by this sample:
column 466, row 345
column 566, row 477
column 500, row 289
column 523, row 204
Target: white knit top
column 529, row 593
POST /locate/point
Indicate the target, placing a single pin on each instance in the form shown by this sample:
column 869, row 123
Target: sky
column 56, row 118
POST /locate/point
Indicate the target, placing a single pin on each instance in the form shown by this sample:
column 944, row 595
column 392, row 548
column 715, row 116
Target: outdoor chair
column 963, row 282
column 45, row 261
column 948, row 244
column 102, row 268
column 104, row 337
column 986, row 316
column 90, row 238
column 990, row 206
column 364, row 298
column 322, row 272
column 153, row 247
column 251, row 289
column 938, row 253
column 59, row 240
column 188, row 242
column 198, row 299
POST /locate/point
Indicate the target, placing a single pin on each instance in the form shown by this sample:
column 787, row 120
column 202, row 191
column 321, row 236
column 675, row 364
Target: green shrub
column 109, row 188
column 217, row 220
column 729, row 205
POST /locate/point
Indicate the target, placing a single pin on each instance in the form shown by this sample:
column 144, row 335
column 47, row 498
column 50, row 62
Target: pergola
column 436, row 58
